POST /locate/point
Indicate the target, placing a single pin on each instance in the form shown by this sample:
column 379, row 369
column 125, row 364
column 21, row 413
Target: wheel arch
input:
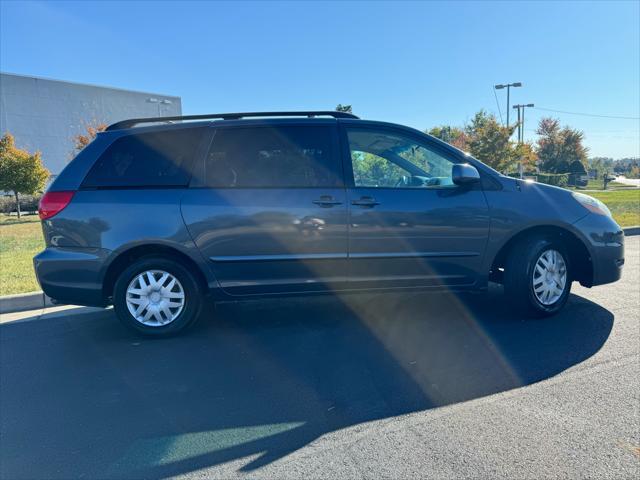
column 125, row 257
column 579, row 255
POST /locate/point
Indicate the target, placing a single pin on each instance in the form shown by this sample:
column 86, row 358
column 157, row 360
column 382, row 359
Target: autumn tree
column 527, row 156
column 20, row 171
column 559, row 147
column 489, row 142
column 452, row 135
column 344, row 108
column 83, row 139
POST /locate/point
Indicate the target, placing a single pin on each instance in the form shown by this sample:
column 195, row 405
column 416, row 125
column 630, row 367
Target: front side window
column 272, row 157
column 383, row 159
column 151, row 159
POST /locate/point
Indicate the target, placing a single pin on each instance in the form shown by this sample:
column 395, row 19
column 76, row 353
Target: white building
column 45, row 114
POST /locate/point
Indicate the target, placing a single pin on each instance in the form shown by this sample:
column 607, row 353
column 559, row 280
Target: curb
column 628, row 231
column 24, row 301
column 36, row 300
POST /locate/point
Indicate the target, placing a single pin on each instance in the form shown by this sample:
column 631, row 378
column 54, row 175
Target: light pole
column 521, row 106
column 508, row 87
column 521, row 120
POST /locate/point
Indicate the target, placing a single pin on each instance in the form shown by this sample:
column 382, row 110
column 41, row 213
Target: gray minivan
column 154, row 218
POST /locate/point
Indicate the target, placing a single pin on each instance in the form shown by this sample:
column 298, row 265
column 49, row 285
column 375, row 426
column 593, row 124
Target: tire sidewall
column 538, row 249
column 192, row 294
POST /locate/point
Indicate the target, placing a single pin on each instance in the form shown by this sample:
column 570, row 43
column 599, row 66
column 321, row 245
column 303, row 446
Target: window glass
column 264, row 157
column 382, row 159
column 370, row 170
column 147, row 159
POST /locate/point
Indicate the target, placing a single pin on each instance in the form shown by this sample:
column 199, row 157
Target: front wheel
column 537, row 278
column 156, row 296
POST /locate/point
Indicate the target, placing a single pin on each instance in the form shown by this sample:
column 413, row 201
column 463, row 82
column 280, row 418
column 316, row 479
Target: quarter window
column 267, row 157
column 381, row 159
column 147, row 159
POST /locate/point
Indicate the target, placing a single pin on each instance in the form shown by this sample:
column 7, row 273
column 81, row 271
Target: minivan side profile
column 155, row 218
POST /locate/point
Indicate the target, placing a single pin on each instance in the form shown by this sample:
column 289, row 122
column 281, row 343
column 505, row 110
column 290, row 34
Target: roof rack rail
column 229, row 116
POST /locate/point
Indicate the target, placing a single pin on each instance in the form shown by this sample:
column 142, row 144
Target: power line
column 597, row 135
column 498, row 104
column 588, row 114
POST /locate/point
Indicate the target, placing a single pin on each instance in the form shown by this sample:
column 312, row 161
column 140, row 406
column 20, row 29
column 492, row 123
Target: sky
column 421, row 64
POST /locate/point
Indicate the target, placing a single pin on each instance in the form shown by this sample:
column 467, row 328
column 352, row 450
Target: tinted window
column 264, row 157
column 383, row 159
column 147, row 159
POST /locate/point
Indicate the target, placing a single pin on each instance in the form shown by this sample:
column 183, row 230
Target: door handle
column 327, row 201
column 366, row 202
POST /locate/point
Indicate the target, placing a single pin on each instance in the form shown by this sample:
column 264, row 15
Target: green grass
column 20, row 240
column 597, row 185
column 624, row 205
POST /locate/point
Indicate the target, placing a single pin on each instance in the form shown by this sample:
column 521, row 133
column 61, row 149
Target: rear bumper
column 72, row 275
column 606, row 246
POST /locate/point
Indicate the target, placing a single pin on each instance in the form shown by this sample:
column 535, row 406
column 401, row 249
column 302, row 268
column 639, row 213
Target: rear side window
column 147, row 160
column 272, row 157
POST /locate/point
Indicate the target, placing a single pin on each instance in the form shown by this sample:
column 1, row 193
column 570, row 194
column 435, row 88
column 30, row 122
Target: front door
column 268, row 209
column 409, row 224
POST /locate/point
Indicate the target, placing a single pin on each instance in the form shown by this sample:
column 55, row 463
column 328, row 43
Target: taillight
column 52, row 203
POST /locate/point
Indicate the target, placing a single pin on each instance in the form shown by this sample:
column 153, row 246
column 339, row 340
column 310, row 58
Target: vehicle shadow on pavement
column 255, row 381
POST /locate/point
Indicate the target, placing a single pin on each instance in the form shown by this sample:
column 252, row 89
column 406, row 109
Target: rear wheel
column 156, row 296
column 537, row 277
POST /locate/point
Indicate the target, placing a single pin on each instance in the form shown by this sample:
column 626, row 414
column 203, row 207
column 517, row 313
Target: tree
column 20, row 171
column 489, row 142
column 452, row 135
column 559, row 147
column 83, row 139
column 600, row 165
column 344, row 108
column 526, row 155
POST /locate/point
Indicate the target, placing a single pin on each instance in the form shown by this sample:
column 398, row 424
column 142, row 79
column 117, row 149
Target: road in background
column 367, row 386
column 635, row 182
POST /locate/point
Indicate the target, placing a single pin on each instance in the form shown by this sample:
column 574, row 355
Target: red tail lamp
column 53, row 203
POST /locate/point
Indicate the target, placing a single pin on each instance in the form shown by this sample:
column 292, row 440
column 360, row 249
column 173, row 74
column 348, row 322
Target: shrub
column 28, row 203
column 557, row 179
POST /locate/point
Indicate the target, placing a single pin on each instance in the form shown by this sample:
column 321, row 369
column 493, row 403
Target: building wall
column 45, row 114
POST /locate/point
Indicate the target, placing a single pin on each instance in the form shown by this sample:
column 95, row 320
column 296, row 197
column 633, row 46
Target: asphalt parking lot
column 373, row 386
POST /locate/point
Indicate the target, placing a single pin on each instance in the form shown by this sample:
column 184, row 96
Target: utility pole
column 521, row 119
column 508, row 87
column 519, row 107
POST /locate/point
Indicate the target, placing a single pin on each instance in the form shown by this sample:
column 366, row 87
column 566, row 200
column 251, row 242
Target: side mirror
column 464, row 174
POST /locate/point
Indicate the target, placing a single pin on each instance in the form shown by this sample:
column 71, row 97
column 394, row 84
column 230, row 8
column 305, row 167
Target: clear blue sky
column 420, row 64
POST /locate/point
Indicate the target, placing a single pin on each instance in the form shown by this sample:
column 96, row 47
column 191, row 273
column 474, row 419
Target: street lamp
column 508, row 87
column 521, row 119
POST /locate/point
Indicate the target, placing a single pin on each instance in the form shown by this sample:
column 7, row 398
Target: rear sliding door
column 268, row 209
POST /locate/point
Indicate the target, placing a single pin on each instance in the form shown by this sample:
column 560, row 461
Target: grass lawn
column 624, row 205
column 598, row 185
column 19, row 242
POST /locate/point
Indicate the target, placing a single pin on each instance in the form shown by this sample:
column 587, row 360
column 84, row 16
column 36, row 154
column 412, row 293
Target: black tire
column 190, row 289
column 518, row 275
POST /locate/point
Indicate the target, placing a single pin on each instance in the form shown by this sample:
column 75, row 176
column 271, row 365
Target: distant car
column 154, row 218
column 580, row 180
